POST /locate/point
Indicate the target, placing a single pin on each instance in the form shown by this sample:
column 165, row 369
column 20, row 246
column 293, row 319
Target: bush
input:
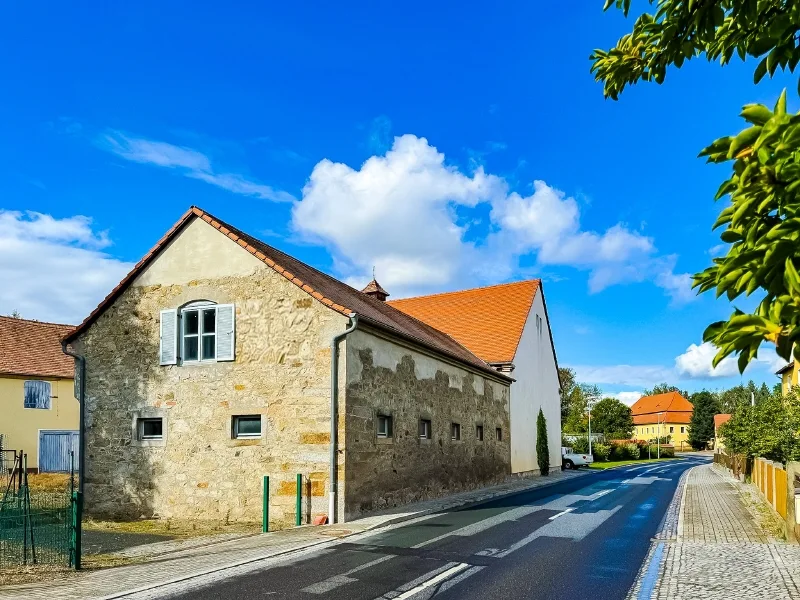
column 581, row 445
column 601, row 452
column 632, row 451
column 667, row 452
column 617, row 452
column 542, row 451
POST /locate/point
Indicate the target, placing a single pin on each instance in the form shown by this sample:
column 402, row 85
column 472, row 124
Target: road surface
column 582, row 538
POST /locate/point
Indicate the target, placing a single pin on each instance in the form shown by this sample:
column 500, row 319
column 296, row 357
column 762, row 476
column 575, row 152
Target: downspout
column 335, row 416
column 81, row 412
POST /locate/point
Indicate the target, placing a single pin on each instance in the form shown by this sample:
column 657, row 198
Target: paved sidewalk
column 168, row 562
column 717, row 550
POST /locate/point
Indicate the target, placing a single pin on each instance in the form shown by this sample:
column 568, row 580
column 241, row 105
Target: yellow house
column 788, row 375
column 663, row 415
column 38, row 409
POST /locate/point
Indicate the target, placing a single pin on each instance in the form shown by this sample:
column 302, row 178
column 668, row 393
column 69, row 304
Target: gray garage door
column 55, row 450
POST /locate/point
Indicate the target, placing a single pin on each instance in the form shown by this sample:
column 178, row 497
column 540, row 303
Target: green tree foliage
column 761, row 223
column 742, row 394
column 701, row 427
column 577, row 420
column 613, row 419
column 569, row 388
column 770, row 429
column 665, row 388
column 542, row 449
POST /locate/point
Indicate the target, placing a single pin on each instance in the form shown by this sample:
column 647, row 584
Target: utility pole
column 658, row 442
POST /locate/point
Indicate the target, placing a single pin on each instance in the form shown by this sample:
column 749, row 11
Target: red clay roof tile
column 33, row 348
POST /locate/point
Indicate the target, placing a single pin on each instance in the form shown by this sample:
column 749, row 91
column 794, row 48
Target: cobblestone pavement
column 173, row 561
column 717, row 550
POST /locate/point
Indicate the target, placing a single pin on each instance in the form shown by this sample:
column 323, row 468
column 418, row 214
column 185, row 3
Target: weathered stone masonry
column 384, row 378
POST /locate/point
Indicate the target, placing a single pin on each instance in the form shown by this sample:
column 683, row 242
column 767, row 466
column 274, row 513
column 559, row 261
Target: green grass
column 620, row 463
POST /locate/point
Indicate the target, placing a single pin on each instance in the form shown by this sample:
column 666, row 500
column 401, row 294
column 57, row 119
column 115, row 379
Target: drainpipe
column 81, row 412
column 335, row 415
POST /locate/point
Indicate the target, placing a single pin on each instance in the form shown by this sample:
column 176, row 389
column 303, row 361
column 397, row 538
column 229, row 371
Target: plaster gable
column 198, row 252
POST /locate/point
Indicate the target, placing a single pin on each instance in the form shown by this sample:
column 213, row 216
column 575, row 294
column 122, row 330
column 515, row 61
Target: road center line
column 331, row 583
column 561, row 514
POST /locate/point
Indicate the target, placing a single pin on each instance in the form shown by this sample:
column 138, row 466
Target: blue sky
column 407, row 137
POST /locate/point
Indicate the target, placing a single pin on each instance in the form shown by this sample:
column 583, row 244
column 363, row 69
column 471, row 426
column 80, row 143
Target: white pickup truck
column 571, row 460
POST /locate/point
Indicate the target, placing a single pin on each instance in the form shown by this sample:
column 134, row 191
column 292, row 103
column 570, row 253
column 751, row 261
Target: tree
column 569, row 387
column 742, row 394
column 665, row 388
column 761, row 225
column 701, row 426
column 578, row 417
column 770, row 429
column 542, row 448
column 15, row 314
column 613, row 419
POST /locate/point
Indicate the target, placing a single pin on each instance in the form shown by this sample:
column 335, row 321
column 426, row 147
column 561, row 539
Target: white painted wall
column 536, row 387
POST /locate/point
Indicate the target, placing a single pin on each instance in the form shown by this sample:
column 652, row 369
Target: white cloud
column 52, row 269
column 400, row 213
column 190, row 162
column 695, row 363
column 623, row 375
column 628, row 398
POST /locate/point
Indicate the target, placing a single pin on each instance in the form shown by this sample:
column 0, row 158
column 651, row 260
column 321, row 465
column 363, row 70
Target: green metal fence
column 37, row 526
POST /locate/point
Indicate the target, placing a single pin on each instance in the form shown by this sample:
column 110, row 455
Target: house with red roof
column 719, row 421
column 507, row 326
column 662, row 415
column 38, row 407
column 220, row 359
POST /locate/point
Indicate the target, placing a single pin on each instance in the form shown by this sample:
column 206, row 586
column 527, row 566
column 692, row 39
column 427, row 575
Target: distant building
column 37, row 402
column 662, row 415
column 719, row 420
column 788, row 375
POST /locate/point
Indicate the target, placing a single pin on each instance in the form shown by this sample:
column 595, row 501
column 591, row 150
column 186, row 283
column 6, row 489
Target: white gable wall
column 536, row 387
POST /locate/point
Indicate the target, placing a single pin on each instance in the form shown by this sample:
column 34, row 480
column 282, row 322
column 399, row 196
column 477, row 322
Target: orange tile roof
column 33, row 348
column 721, row 418
column 331, row 292
column 674, row 408
column 488, row 320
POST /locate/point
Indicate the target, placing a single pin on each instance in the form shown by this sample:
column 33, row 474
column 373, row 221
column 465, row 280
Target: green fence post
column 77, row 519
column 265, row 516
column 299, row 505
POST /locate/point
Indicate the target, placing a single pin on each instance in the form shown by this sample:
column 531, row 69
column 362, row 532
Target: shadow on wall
column 387, row 472
column 122, row 368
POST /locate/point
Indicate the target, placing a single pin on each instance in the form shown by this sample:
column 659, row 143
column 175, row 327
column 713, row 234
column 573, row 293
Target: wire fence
column 36, row 526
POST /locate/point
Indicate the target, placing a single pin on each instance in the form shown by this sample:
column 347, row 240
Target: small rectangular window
column 479, row 432
column 455, row 431
column 424, row 429
column 683, row 429
column 384, row 426
column 247, row 426
column 151, row 429
column 199, row 334
column 37, row 394
column 498, row 433
column 671, row 429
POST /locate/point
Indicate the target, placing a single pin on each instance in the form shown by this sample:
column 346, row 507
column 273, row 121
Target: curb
column 399, row 519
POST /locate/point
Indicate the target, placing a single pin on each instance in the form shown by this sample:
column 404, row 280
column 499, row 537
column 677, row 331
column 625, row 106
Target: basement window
column 498, row 433
column 424, row 429
column 455, row 431
column 479, row 432
column 384, row 426
column 151, row 429
column 246, row 427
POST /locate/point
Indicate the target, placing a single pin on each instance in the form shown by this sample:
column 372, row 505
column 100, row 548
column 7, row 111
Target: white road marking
column 561, row 514
column 431, row 582
column 331, row 583
column 459, row 578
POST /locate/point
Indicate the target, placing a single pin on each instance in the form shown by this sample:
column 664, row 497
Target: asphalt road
column 582, row 538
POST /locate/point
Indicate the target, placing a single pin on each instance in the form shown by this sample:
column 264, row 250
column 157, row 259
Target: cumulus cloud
column 628, row 398
column 53, row 269
column 623, row 375
column 190, row 162
column 399, row 212
column 695, row 363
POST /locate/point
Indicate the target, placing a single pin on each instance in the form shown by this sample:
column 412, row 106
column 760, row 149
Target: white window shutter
column 226, row 332
column 168, row 348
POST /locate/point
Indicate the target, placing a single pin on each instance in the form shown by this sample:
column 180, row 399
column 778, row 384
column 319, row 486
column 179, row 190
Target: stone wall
column 385, row 378
column 281, row 371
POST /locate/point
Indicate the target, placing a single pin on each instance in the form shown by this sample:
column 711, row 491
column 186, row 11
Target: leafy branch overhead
column 761, row 219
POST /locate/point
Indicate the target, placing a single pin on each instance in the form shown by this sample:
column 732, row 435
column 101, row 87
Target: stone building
column 507, row 326
column 210, row 366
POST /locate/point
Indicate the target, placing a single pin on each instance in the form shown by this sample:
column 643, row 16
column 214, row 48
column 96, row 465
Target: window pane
column 152, row 428
column 190, row 321
column 37, row 394
column 248, row 426
column 190, row 348
column 209, row 346
column 209, row 320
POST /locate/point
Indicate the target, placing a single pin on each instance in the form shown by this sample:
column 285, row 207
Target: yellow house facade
column 37, row 400
column 663, row 415
column 788, row 375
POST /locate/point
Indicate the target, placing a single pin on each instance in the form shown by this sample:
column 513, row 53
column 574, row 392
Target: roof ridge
column 475, row 289
column 21, row 320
